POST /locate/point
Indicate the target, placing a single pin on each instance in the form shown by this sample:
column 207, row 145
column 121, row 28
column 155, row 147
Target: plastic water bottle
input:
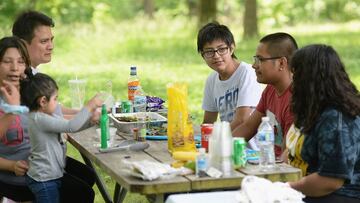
column 104, row 127
column 265, row 141
column 139, row 100
column 133, row 83
column 202, row 163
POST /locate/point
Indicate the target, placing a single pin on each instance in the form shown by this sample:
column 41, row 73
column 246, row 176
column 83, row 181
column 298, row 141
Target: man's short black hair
column 214, row 31
column 26, row 23
column 280, row 44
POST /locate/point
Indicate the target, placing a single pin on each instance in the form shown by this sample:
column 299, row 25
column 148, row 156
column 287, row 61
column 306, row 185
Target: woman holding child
column 75, row 178
column 14, row 138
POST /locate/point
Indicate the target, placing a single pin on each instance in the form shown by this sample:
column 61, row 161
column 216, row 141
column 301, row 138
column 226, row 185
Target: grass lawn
column 165, row 51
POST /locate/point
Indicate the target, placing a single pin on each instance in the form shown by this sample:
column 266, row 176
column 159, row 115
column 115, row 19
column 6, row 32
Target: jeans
column 45, row 192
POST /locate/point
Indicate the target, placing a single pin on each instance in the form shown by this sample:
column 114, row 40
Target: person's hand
column 284, row 156
column 20, row 167
column 94, row 103
column 11, row 93
column 95, row 117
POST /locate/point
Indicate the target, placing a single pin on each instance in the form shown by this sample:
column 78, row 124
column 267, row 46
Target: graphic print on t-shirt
column 227, row 104
column 14, row 134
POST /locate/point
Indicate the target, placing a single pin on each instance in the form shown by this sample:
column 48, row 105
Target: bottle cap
column 133, row 70
column 265, row 118
column 202, row 150
column 103, row 109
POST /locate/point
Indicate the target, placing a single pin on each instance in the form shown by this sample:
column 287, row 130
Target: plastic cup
column 77, row 93
column 112, row 131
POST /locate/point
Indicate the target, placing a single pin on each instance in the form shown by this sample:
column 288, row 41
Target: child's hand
column 95, row 116
column 11, row 93
column 94, row 103
column 20, row 167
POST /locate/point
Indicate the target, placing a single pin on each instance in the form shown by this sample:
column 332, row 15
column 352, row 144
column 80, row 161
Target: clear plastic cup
column 77, row 93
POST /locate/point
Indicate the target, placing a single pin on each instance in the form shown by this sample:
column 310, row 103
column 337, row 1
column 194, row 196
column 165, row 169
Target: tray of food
column 126, row 122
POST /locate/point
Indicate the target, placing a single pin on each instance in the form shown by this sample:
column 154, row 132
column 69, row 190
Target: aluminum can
column 239, row 152
column 206, row 130
column 126, row 107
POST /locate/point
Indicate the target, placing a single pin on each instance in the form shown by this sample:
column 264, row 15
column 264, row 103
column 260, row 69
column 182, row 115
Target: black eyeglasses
column 211, row 53
column 258, row 59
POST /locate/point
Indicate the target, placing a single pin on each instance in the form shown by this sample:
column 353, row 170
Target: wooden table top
column 87, row 143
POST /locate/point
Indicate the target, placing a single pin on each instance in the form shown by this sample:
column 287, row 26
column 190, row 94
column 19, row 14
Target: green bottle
column 104, row 126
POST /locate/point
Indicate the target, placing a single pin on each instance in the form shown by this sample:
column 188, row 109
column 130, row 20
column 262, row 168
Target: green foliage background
column 275, row 12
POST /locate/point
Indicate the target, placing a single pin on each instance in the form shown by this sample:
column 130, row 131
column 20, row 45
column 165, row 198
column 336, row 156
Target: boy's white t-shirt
column 241, row 89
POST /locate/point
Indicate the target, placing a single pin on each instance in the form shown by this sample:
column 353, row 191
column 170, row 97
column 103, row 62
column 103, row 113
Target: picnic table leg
column 98, row 180
column 158, row 198
column 119, row 193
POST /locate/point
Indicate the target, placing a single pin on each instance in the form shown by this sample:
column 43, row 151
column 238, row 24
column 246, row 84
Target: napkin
column 150, row 170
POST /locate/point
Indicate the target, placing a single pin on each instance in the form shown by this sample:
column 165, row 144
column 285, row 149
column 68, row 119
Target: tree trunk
column 250, row 19
column 207, row 11
column 192, row 7
column 149, row 8
column 32, row 4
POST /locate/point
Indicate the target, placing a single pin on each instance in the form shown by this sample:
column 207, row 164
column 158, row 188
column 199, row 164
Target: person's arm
column 241, row 115
column 248, row 128
column 18, row 167
column 12, row 97
column 210, row 117
column 77, row 123
column 68, row 112
column 315, row 185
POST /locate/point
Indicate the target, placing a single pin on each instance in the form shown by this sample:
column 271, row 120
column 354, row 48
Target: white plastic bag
column 278, row 192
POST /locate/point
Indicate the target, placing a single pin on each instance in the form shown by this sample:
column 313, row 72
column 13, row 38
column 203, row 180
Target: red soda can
column 206, row 130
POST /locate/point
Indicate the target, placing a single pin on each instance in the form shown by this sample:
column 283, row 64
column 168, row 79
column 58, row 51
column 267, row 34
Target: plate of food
column 126, row 122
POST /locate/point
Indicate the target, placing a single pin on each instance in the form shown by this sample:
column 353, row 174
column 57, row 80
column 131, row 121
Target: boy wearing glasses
column 271, row 64
column 231, row 89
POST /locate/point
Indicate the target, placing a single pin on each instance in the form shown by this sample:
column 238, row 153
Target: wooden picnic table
column 87, row 143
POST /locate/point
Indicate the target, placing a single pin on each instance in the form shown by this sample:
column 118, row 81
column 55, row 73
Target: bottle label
column 265, row 136
column 139, row 103
column 132, row 87
column 201, row 166
column 139, row 100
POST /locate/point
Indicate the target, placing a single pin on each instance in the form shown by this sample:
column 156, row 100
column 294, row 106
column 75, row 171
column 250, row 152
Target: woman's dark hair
column 15, row 42
column 34, row 87
column 214, row 31
column 320, row 81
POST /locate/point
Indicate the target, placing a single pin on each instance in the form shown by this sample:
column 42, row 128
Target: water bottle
column 265, row 142
column 133, row 83
column 104, row 127
column 139, row 100
column 202, row 163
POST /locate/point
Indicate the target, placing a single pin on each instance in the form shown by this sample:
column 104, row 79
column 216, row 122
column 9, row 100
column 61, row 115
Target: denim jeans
column 45, row 192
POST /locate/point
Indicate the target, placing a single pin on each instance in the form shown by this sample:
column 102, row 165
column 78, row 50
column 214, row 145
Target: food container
column 126, row 122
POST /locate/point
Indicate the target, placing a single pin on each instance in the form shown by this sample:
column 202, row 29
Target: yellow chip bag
column 180, row 130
